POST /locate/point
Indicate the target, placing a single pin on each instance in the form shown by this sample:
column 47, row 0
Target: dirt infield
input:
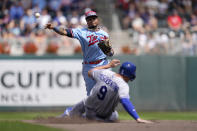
column 123, row 125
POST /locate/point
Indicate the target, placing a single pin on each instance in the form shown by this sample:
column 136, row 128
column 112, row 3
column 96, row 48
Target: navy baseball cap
column 90, row 14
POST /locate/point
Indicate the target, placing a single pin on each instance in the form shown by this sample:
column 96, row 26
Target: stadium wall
column 162, row 83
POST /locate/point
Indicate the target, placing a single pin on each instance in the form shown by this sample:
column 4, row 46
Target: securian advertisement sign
column 41, row 82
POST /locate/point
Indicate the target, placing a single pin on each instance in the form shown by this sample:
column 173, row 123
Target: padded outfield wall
column 162, row 83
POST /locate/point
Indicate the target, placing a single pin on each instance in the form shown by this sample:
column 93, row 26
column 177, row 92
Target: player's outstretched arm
column 59, row 30
column 128, row 106
column 112, row 64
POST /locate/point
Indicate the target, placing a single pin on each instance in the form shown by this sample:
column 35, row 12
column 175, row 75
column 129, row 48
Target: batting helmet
column 128, row 69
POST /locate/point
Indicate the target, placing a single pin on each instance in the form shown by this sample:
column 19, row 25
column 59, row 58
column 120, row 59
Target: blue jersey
column 89, row 42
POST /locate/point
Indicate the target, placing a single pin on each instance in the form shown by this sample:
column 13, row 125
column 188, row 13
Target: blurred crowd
column 17, row 15
column 151, row 14
column 18, row 23
column 155, row 26
column 158, row 25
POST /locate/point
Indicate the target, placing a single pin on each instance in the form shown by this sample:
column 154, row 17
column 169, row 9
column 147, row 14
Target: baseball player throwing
column 94, row 54
column 110, row 88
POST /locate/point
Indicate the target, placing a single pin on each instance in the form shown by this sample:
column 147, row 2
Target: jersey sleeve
column 96, row 74
column 105, row 36
column 76, row 33
column 124, row 91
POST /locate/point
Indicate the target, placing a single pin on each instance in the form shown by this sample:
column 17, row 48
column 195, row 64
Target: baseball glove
column 106, row 47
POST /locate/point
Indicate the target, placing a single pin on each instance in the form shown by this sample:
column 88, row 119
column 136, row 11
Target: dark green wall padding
column 191, row 79
column 164, row 82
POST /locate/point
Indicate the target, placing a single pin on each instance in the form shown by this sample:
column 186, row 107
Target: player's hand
column 49, row 26
column 114, row 63
column 144, row 121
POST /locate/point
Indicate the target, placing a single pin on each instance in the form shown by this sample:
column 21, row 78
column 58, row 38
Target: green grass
column 26, row 115
column 10, row 121
column 162, row 115
column 20, row 126
column 123, row 115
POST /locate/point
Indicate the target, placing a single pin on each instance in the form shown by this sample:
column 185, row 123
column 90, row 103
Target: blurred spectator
column 193, row 20
column 65, row 6
column 14, row 28
column 137, row 23
column 163, row 6
column 144, row 14
column 122, row 7
column 74, row 19
column 123, row 4
column 36, row 9
column 153, row 5
column 5, row 18
column 83, row 21
column 127, row 20
column 55, row 4
column 26, row 4
column 28, row 19
column 44, row 18
column 185, row 24
column 187, row 6
column 174, row 21
column 60, row 19
column 16, row 11
column 152, row 23
column 40, row 3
